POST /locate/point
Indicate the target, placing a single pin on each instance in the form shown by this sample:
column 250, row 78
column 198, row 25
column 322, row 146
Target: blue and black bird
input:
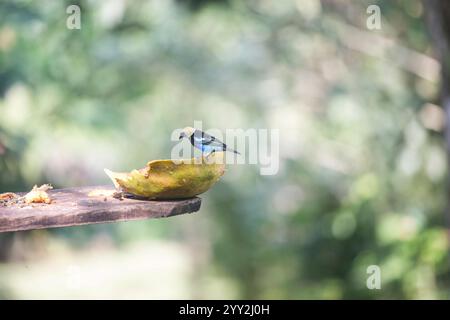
column 203, row 141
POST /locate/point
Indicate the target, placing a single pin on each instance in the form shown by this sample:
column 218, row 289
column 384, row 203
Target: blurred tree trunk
column 437, row 15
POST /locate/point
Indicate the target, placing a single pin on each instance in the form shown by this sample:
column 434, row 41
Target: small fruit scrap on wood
column 39, row 195
column 106, row 193
column 36, row 195
column 8, row 196
column 102, row 193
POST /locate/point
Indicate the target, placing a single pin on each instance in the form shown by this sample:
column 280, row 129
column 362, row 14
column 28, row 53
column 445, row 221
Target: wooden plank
column 73, row 207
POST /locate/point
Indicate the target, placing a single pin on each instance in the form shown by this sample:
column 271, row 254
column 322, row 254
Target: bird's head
column 186, row 133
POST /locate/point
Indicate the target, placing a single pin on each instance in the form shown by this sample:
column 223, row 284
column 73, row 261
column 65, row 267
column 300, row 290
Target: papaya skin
column 167, row 179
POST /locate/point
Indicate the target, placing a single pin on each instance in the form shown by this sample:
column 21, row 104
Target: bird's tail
column 237, row 152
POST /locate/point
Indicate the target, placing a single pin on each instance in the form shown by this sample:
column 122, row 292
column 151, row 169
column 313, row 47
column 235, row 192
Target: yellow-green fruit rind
column 165, row 179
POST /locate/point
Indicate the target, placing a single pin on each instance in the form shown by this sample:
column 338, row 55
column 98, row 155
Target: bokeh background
column 363, row 166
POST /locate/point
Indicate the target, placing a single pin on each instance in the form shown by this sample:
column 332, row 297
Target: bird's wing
column 206, row 139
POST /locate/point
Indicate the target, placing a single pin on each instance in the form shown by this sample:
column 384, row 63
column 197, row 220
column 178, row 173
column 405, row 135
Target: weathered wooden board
column 72, row 207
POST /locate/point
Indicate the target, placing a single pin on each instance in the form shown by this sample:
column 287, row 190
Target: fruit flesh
column 167, row 179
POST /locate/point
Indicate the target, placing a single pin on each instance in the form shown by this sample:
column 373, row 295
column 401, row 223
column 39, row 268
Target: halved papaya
column 171, row 179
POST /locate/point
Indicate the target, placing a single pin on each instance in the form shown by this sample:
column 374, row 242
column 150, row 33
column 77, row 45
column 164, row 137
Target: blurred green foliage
column 363, row 168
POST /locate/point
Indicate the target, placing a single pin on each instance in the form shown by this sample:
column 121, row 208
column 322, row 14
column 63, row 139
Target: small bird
column 203, row 141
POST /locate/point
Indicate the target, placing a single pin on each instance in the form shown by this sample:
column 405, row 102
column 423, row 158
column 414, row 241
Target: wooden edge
column 73, row 207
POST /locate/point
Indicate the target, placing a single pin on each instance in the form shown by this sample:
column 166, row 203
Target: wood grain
column 73, row 207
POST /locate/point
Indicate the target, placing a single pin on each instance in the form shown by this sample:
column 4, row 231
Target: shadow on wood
column 72, row 207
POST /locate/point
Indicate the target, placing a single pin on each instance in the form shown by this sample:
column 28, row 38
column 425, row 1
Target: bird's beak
column 182, row 135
